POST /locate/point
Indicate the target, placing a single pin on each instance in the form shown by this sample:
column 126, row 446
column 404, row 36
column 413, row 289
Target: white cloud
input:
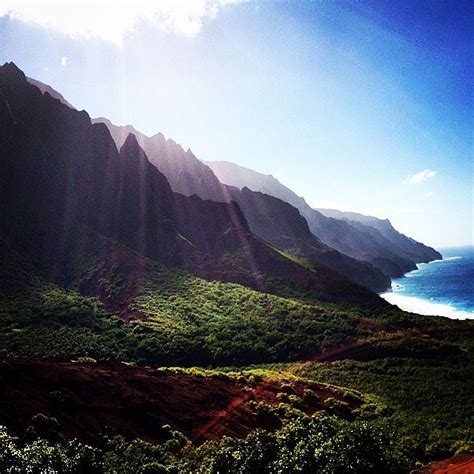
column 64, row 61
column 420, row 177
column 110, row 20
column 429, row 194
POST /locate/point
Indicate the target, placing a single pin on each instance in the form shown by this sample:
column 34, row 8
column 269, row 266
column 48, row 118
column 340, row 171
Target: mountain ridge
column 271, row 218
column 45, row 88
column 357, row 240
column 61, row 172
column 186, row 174
column 373, row 240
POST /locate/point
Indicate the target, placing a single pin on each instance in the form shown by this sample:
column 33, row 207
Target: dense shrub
column 428, row 401
column 302, row 445
column 188, row 321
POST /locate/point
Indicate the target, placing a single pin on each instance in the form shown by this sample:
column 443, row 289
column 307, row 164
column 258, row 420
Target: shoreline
column 413, row 304
column 420, row 305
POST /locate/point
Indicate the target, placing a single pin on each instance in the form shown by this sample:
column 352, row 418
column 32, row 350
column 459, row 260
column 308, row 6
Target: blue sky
column 363, row 106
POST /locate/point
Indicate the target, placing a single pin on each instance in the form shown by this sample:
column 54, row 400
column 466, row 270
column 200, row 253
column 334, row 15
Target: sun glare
column 86, row 19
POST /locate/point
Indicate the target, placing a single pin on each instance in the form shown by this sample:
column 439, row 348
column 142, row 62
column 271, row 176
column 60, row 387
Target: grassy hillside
column 412, row 374
column 177, row 319
column 180, row 320
column 426, row 383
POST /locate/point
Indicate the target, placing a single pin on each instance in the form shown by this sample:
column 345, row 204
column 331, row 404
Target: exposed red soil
column 347, row 351
column 88, row 399
column 461, row 464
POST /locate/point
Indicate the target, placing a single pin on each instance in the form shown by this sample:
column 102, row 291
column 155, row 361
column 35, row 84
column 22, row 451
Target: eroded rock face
column 186, row 174
column 270, row 218
column 61, row 174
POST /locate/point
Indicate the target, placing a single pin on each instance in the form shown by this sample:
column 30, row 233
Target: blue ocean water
column 443, row 287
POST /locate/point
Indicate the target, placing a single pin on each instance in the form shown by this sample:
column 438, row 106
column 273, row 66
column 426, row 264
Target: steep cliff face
column 361, row 237
column 61, row 172
column 186, row 174
column 282, row 225
column 274, row 220
column 63, row 177
column 270, row 218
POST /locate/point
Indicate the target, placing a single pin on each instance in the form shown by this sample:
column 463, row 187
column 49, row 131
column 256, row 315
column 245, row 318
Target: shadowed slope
column 61, row 174
column 282, row 225
column 270, row 218
column 93, row 399
column 186, row 174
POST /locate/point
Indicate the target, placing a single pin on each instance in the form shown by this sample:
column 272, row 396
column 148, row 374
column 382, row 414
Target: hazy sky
column 362, row 105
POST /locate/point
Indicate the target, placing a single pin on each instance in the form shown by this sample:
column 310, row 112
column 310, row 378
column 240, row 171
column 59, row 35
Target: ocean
column 439, row 288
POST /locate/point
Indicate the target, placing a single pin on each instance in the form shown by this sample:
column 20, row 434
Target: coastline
column 413, row 304
column 405, row 295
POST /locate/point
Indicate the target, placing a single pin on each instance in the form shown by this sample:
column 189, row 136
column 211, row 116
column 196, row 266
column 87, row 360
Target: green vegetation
column 303, row 444
column 306, row 445
column 429, row 400
column 187, row 321
column 222, row 323
column 416, row 371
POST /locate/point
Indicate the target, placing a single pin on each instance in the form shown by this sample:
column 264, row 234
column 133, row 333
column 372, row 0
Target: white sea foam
column 447, row 259
column 419, row 266
column 428, row 308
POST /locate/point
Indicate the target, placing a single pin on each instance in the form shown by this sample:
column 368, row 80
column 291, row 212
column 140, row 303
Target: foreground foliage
column 303, row 444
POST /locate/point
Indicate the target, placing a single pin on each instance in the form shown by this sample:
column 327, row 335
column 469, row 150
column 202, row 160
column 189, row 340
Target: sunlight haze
column 363, row 108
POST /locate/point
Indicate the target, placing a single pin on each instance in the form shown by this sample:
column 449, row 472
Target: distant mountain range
column 366, row 250
column 363, row 237
column 389, row 253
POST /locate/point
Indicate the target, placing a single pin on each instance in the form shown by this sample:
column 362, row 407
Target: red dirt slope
column 88, row 399
column 461, row 464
